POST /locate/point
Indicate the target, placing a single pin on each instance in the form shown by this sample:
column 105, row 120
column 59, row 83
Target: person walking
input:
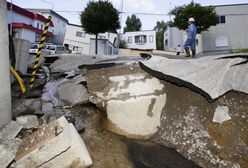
column 190, row 43
column 178, row 50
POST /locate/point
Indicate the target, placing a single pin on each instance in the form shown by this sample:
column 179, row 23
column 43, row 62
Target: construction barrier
column 43, row 38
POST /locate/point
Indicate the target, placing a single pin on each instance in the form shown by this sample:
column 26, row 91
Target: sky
column 71, row 9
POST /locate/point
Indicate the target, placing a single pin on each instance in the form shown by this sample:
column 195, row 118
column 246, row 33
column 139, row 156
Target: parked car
column 56, row 49
column 34, row 48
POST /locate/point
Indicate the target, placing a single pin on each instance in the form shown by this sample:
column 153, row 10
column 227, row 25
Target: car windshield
column 51, row 48
column 34, row 46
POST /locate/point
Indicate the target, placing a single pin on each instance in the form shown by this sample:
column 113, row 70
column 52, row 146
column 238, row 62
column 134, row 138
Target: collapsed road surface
column 162, row 123
column 210, row 76
column 205, row 113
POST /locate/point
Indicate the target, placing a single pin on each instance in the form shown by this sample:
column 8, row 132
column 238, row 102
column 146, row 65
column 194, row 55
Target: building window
column 196, row 42
column 80, row 34
column 166, row 42
column 38, row 25
column 38, row 37
column 140, row 39
column 129, row 39
column 63, row 24
column 16, row 34
column 151, row 38
column 221, row 19
column 221, row 41
column 41, row 27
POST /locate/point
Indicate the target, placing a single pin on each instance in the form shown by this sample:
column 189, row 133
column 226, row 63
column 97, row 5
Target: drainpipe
column 5, row 98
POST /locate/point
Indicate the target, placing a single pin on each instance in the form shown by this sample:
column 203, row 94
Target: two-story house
column 78, row 41
column 59, row 24
column 27, row 25
column 231, row 32
column 140, row 40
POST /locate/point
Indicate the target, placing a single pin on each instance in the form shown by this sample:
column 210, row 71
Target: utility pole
column 121, row 15
column 11, row 16
column 119, row 35
column 5, row 94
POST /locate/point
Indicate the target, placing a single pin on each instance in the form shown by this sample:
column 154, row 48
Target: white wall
column 72, row 39
column 235, row 29
column 28, row 35
column 59, row 29
column 110, row 36
column 19, row 18
column 85, row 41
column 174, row 37
column 149, row 45
column 5, row 93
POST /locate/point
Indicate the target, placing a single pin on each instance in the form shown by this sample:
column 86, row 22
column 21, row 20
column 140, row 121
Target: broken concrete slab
column 43, row 145
column 50, row 93
column 68, row 62
column 8, row 151
column 136, row 117
column 76, row 156
column 221, row 114
column 28, row 106
column 133, row 102
column 10, row 130
column 28, row 121
column 8, row 143
column 72, row 92
column 210, row 76
column 47, row 108
column 51, row 143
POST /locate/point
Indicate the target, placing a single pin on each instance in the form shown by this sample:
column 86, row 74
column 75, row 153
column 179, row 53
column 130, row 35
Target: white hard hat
column 191, row 20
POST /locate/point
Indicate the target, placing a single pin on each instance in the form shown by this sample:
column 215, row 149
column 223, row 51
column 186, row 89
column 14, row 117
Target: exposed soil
column 186, row 122
column 187, row 126
column 109, row 150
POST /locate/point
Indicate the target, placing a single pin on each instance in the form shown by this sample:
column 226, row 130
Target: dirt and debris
column 187, row 126
column 110, row 150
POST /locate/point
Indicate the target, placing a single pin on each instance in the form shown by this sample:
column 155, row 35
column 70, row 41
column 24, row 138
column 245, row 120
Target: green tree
column 160, row 27
column 133, row 23
column 99, row 17
column 123, row 44
column 205, row 16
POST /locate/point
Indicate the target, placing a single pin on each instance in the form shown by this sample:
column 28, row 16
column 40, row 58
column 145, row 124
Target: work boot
column 193, row 52
column 187, row 52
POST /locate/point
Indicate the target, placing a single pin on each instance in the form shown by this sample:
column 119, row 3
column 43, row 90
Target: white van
column 56, row 49
column 34, row 48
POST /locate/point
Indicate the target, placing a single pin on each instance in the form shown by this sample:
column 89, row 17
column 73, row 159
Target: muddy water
column 151, row 155
column 109, row 150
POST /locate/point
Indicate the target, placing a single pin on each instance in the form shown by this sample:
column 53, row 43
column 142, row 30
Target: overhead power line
column 152, row 14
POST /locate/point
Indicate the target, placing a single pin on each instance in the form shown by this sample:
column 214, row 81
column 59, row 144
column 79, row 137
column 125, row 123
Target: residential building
column 59, row 24
column 105, row 47
column 172, row 38
column 231, row 33
column 27, row 25
column 78, row 41
column 141, row 40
